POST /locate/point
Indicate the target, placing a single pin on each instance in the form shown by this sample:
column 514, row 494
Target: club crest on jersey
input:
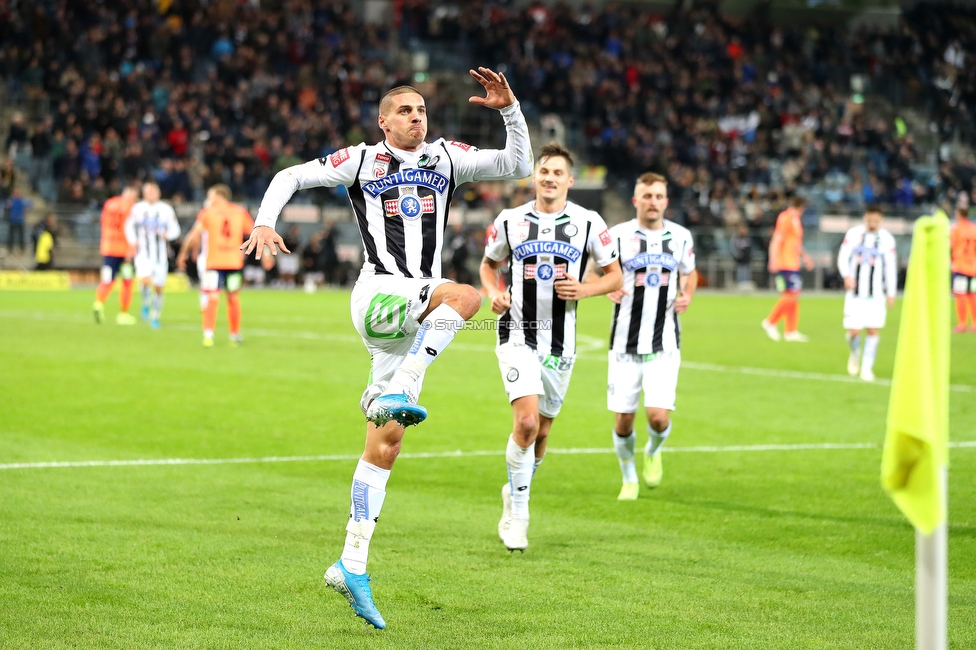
column 545, row 271
column 381, row 165
column 409, row 205
column 642, row 260
column 428, row 178
column 537, row 247
column 570, row 230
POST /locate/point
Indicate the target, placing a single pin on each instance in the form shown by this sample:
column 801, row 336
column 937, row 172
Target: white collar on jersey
column 550, row 215
column 408, row 157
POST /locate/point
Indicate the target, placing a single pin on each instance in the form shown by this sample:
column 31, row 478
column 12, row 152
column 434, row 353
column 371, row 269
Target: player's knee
column 659, row 421
column 624, row 423
column 527, row 428
column 466, row 300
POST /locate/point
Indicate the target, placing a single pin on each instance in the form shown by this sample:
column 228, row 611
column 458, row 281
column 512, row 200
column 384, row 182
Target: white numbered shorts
column 147, row 268
column 386, row 312
column 655, row 374
column 207, row 283
column 527, row 372
column 863, row 313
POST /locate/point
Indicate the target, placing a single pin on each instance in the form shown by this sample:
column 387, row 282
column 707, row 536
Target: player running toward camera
column 150, row 227
column 869, row 267
column 406, row 312
column 785, row 254
column 116, row 256
column 962, row 239
column 225, row 225
column 548, row 241
column 658, row 259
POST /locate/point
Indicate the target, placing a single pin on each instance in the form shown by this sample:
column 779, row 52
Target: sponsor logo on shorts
column 512, row 375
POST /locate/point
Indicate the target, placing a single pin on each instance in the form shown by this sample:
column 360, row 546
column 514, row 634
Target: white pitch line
column 588, row 346
column 443, row 454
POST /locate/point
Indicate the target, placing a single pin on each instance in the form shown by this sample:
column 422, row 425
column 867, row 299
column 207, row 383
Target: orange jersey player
column 226, row 225
column 785, row 256
column 116, row 256
column 962, row 241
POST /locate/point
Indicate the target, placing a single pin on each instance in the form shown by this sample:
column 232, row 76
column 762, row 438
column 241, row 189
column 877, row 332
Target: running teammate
column 962, row 240
column 658, row 259
column 548, row 241
column 225, row 225
column 406, row 312
column 150, row 227
column 785, row 255
column 116, row 256
column 867, row 262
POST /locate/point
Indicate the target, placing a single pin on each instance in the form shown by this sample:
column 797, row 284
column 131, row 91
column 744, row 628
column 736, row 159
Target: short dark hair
column 872, row 208
column 387, row 99
column 649, row 178
column 798, row 201
column 555, row 150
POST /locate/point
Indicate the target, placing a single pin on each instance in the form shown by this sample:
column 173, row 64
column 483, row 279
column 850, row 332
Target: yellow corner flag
column 917, row 439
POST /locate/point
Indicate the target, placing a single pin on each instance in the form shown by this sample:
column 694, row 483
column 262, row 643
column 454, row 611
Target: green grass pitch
column 737, row 549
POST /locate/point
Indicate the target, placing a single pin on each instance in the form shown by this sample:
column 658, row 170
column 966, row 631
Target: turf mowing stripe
column 442, row 454
column 587, row 342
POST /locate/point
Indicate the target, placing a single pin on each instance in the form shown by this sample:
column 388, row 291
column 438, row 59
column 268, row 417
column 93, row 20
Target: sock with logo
column 624, row 446
column 521, row 463
column 368, row 494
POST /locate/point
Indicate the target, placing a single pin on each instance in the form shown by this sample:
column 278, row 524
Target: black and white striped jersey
column 543, row 248
column 870, row 258
column 149, row 227
column 401, row 199
column 653, row 262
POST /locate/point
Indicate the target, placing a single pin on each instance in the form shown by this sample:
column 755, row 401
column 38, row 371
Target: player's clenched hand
column 681, row 303
column 891, row 302
column 263, row 236
column 569, row 288
column 618, row 295
column 501, row 301
column 849, row 283
column 181, row 262
column 496, row 85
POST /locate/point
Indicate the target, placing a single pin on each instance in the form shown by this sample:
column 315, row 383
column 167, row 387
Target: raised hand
column 496, row 85
column 262, row 236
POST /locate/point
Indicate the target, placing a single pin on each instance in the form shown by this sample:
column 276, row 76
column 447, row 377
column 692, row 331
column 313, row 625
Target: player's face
column 872, row 221
column 553, row 178
column 150, row 192
column 651, row 201
column 405, row 124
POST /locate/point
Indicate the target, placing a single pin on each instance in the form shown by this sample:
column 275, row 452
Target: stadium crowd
column 738, row 113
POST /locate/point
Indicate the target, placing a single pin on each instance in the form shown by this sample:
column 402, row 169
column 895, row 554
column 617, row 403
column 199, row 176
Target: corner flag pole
column 915, row 461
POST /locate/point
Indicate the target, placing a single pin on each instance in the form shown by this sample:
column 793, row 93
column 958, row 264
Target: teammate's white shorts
column 656, row 374
column 862, row 313
column 208, row 282
column 386, row 312
column 527, row 372
column 147, row 268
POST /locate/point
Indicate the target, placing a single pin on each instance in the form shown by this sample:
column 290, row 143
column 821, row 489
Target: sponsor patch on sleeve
column 492, row 234
column 461, row 145
column 339, row 157
column 605, row 238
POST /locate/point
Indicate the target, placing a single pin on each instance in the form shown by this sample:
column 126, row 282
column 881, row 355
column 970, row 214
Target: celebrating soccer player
column 868, row 265
column 658, row 259
column 785, row 254
column 406, row 312
column 226, row 225
column 116, row 258
column 962, row 240
column 548, row 242
column 150, row 227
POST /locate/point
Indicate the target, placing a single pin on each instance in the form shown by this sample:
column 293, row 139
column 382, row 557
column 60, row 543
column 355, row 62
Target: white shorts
column 656, row 374
column 527, row 372
column 156, row 271
column 207, row 283
column 386, row 312
column 862, row 313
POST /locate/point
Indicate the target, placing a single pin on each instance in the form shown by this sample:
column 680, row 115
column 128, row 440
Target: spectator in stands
column 17, row 136
column 17, row 207
column 45, row 239
column 740, row 248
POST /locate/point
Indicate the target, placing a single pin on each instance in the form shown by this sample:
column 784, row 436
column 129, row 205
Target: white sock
column 656, row 440
column 624, row 446
column 521, row 463
column 536, row 463
column 368, row 493
column 157, row 305
column 435, row 334
column 204, row 299
column 208, row 334
column 855, row 343
column 145, row 294
column 870, row 352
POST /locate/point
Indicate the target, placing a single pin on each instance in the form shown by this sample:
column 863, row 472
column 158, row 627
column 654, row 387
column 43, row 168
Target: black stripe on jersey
column 428, row 229
column 636, row 307
column 529, row 287
column 677, row 324
column 505, row 322
column 396, row 239
column 657, row 343
column 358, row 202
column 874, row 264
column 559, row 305
column 616, row 307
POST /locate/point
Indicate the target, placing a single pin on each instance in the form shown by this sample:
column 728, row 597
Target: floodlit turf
column 737, row 549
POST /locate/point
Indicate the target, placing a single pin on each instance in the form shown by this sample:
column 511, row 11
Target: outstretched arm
column 515, row 160
column 190, row 241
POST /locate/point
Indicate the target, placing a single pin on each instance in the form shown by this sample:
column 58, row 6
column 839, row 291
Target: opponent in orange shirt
column 785, row 254
column 227, row 226
column 962, row 240
column 116, row 256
